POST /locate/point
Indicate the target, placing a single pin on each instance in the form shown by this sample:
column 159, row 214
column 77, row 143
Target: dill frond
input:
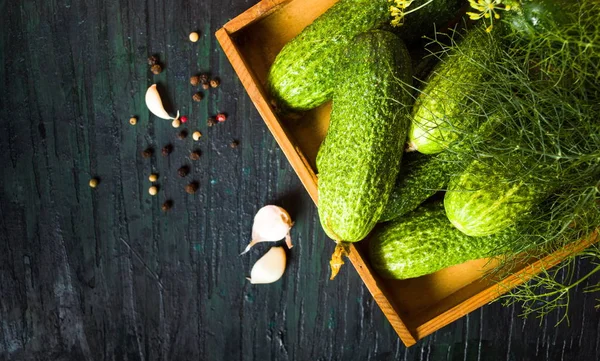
column 546, row 91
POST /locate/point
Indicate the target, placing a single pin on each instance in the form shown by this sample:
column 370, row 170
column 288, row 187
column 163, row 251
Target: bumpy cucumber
column 360, row 156
column 420, row 177
column 303, row 77
column 424, row 242
column 484, row 199
column 438, row 119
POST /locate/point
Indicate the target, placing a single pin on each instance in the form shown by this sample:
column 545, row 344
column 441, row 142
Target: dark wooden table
column 104, row 274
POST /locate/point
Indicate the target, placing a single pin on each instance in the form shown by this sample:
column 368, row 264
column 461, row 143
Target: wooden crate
column 415, row 307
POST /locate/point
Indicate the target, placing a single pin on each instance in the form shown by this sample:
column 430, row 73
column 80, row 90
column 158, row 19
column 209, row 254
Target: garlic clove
column 155, row 105
column 271, row 224
column 270, row 267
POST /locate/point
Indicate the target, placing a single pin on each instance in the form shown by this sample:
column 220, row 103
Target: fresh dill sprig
column 546, row 92
column 399, row 10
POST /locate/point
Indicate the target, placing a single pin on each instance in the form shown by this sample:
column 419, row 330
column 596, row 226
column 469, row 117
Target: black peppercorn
column 156, row 69
column 234, row 143
column 195, row 155
column 147, row 153
column 182, row 135
column 167, row 205
column 191, row 188
column 167, row 149
column 183, row 171
column 211, row 121
column 152, row 60
column 197, row 97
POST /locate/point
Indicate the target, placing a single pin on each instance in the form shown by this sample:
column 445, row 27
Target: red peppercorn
column 221, row 117
column 183, row 119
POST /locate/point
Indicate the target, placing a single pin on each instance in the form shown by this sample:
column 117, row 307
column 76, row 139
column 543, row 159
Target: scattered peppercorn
column 133, row 120
column 147, row 153
column 221, row 117
column 183, row 119
column 94, row 182
column 182, row 134
column 196, row 135
column 183, row 171
column 191, row 188
column 234, row 143
column 153, row 177
column 156, row 69
column 153, row 190
column 205, row 86
column 167, row 205
column 194, row 37
column 197, row 97
column 176, row 123
column 195, row 80
column 211, row 121
column 195, row 155
column 204, row 78
column 167, row 149
column 152, row 60
column 215, row 83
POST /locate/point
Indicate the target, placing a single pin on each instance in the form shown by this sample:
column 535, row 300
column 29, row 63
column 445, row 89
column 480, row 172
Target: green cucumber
column 487, row 197
column 438, row 116
column 424, row 241
column 420, row 177
column 360, row 156
column 302, row 76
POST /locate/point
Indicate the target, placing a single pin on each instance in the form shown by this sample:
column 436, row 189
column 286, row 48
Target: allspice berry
column 152, row 60
column 167, row 205
column 211, row 121
column 205, row 86
column 182, row 135
column 153, row 177
column 195, row 155
column 197, row 97
column 147, row 153
column 196, row 135
column 194, row 36
column 167, row 149
column 215, row 83
column 93, row 182
column 191, row 188
column 153, row 190
column 195, row 80
column 183, row 171
column 204, row 78
column 133, row 120
column 156, row 69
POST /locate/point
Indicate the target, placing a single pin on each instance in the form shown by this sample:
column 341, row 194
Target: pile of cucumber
column 351, row 55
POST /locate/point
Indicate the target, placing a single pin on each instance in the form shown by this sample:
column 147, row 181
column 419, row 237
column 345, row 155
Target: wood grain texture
column 104, row 275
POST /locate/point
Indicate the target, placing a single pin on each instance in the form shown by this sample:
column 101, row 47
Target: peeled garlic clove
column 271, row 224
column 155, row 105
column 270, row 267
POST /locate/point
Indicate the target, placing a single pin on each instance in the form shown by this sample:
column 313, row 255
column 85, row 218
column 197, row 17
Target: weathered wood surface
column 104, row 274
